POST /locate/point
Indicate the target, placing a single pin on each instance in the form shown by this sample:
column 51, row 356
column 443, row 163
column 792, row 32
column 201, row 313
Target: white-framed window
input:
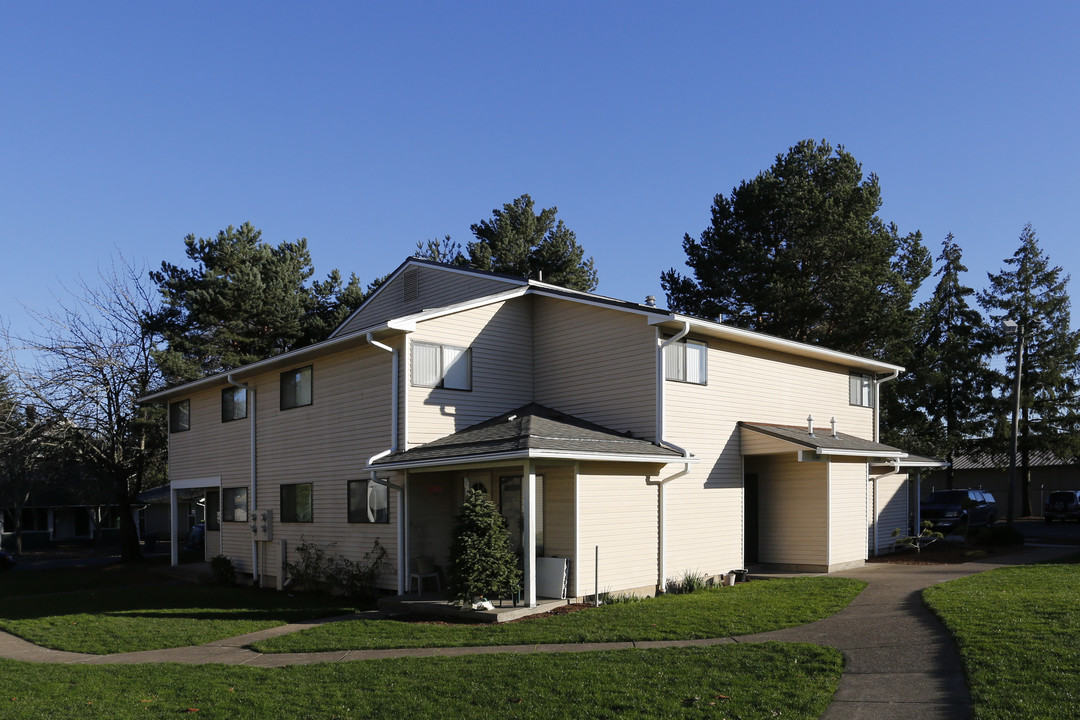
column 441, row 366
column 861, row 390
column 368, row 502
column 234, row 504
column 179, row 416
column 296, row 388
column 233, row 404
column 687, row 361
column 296, row 503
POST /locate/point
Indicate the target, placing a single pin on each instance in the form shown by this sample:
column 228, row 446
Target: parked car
column 951, row 509
column 7, row 562
column 1062, row 505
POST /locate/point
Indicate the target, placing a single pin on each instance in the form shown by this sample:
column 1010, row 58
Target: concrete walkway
column 899, row 662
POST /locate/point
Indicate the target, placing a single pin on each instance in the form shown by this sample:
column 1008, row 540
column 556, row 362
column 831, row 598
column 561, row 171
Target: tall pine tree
column 244, row 300
column 519, row 241
column 1033, row 293
column 800, row 252
column 941, row 406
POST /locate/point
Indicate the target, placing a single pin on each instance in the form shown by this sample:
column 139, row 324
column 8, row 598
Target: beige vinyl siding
column 326, row 443
column 500, row 341
column 888, row 510
column 755, row 443
column 617, row 512
column 705, row 507
column 438, row 287
column 847, row 513
column 596, row 363
column 793, row 516
column 559, row 516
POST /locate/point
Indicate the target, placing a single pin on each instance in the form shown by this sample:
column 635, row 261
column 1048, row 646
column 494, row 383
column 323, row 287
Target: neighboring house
column 990, row 472
column 58, row 514
column 614, row 434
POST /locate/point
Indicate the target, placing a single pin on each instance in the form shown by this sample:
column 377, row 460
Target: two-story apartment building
column 635, row 442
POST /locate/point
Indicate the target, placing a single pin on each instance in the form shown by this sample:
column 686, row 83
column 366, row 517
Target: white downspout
column 661, row 499
column 878, row 382
column 252, row 506
column 402, row 539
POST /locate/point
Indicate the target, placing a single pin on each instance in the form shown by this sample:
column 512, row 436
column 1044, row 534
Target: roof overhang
column 821, row 446
column 531, row 454
column 768, row 342
column 284, row 360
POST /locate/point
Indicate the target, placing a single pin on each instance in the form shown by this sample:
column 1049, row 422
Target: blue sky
column 366, row 127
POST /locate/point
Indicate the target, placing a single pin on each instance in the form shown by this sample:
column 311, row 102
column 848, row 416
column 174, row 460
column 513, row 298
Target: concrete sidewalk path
column 899, row 661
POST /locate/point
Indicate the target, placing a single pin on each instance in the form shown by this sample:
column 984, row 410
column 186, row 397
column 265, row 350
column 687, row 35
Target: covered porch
column 816, row 499
column 530, row 464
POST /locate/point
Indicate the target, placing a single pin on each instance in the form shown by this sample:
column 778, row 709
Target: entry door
column 750, row 518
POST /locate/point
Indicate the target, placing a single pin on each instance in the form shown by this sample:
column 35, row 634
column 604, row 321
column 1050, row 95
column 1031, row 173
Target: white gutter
column 250, row 391
column 661, row 375
column 392, row 449
column 877, row 401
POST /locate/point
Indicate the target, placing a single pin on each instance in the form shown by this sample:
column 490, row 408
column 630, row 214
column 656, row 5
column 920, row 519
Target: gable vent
column 411, row 283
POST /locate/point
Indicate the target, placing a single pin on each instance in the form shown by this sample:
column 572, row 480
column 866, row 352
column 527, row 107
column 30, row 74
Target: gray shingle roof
column 527, row 430
column 823, row 439
column 997, row 461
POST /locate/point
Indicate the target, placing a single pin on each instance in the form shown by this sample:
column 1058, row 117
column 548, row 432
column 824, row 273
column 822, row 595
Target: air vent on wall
column 411, row 281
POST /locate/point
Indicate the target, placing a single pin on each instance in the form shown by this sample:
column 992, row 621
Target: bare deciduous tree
column 91, row 361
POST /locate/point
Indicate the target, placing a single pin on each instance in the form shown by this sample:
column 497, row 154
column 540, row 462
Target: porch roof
column 823, row 442
column 532, row 431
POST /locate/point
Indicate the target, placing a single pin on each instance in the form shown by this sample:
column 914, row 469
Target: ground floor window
column 368, row 502
column 234, row 504
column 296, row 503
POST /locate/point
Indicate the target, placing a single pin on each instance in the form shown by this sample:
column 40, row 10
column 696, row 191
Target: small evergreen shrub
column 222, row 570
column 928, row 536
column 483, row 560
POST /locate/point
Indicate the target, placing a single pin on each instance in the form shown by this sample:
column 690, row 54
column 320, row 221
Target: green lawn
column 788, row 681
column 1018, row 630
column 141, row 611
column 747, row 608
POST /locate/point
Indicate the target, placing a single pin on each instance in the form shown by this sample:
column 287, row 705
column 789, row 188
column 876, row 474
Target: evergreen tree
column 244, row 300
column 800, row 252
column 483, row 560
column 942, row 408
column 518, row 241
column 1033, row 294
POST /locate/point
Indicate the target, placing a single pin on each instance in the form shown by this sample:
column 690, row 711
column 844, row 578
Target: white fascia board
column 418, row 263
column 409, row 321
column 533, row 454
column 857, row 453
column 286, row 358
column 756, row 339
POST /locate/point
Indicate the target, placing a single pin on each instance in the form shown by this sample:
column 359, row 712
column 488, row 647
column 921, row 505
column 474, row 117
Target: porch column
column 916, row 503
column 528, row 497
column 174, row 550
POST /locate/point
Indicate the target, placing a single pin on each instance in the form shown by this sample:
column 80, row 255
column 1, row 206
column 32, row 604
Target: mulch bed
column 945, row 553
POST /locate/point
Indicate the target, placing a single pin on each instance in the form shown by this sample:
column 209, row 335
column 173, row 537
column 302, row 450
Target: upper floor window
column 296, row 388
column 687, row 361
column 233, row 404
column 861, row 390
column 441, row 366
column 179, row 416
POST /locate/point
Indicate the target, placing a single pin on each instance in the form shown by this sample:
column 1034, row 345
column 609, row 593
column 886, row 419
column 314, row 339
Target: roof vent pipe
column 650, row 300
column 810, row 425
column 833, row 423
